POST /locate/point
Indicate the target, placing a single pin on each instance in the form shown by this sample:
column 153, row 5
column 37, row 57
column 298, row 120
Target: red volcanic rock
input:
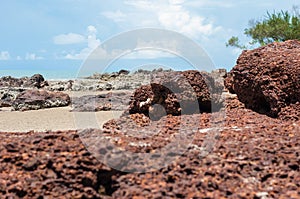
column 177, row 93
column 291, row 112
column 254, row 156
column 102, row 102
column 36, row 80
column 267, row 79
column 252, row 152
column 8, row 95
column 38, row 99
column 51, row 165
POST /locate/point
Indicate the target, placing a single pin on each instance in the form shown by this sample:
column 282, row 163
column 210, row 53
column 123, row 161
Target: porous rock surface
column 51, row 165
column 11, row 87
column 255, row 156
column 38, row 99
column 267, row 79
column 117, row 101
column 36, row 80
column 122, row 80
column 8, row 95
column 242, row 154
column 177, row 93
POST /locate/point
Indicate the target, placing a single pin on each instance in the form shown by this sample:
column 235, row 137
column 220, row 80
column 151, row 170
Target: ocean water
column 72, row 69
column 48, row 74
column 59, row 69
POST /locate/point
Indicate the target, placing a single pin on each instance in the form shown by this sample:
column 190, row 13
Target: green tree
column 276, row 27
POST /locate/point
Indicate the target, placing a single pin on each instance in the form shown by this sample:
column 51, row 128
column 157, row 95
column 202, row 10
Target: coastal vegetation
column 275, row 27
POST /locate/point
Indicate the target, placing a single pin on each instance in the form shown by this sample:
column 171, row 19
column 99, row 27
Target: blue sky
column 60, row 34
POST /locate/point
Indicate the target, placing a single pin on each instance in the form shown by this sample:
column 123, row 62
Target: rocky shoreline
column 255, row 157
column 250, row 150
column 21, row 93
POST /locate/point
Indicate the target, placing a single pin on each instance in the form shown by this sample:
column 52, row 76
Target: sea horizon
column 73, row 69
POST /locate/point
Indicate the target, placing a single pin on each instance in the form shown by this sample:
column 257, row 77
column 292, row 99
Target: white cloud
column 116, row 16
column 92, row 30
column 148, row 54
column 155, row 44
column 4, row 55
column 174, row 2
column 71, row 38
column 181, row 20
column 19, row 58
column 32, row 56
column 173, row 15
column 210, row 3
column 92, row 43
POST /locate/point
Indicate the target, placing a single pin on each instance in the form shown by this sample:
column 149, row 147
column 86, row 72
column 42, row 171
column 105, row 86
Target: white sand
column 55, row 119
column 52, row 119
column 82, row 93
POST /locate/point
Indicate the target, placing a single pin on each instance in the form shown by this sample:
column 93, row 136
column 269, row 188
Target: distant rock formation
column 177, row 93
column 8, row 95
column 267, row 79
column 118, row 101
column 36, row 81
column 38, row 99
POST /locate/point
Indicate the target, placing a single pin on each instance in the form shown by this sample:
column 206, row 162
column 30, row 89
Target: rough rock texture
column 38, row 99
column 122, row 80
column 8, row 95
column 291, row 112
column 254, row 156
column 117, row 101
column 267, row 79
column 36, row 80
column 177, row 93
column 51, row 165
column 11, row 87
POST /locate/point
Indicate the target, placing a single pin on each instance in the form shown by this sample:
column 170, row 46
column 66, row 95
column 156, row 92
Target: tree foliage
column 276, row 27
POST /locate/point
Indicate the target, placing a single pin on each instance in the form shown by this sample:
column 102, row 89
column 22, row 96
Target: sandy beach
column 53, row 119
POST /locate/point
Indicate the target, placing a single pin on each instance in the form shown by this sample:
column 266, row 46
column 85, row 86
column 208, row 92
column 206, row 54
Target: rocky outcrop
column 255, row 156
column 291, row 112
column 177, row 93
column 242, row 163
column 8, row 95
column 51, row 165
column 38, row 99
column 121, row 83
column 11, row 87
column 36, row 81
column 267, row 79
column 122, row 80
column 118, row 101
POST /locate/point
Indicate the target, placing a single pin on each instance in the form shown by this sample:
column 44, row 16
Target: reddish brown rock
column 118, row 101
column 255, row 156
column 291, row 112
column 38, row 99
column 36, row 80
column 267, row 79
column 8, row 95
column 177, row 93
column 51, row 165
